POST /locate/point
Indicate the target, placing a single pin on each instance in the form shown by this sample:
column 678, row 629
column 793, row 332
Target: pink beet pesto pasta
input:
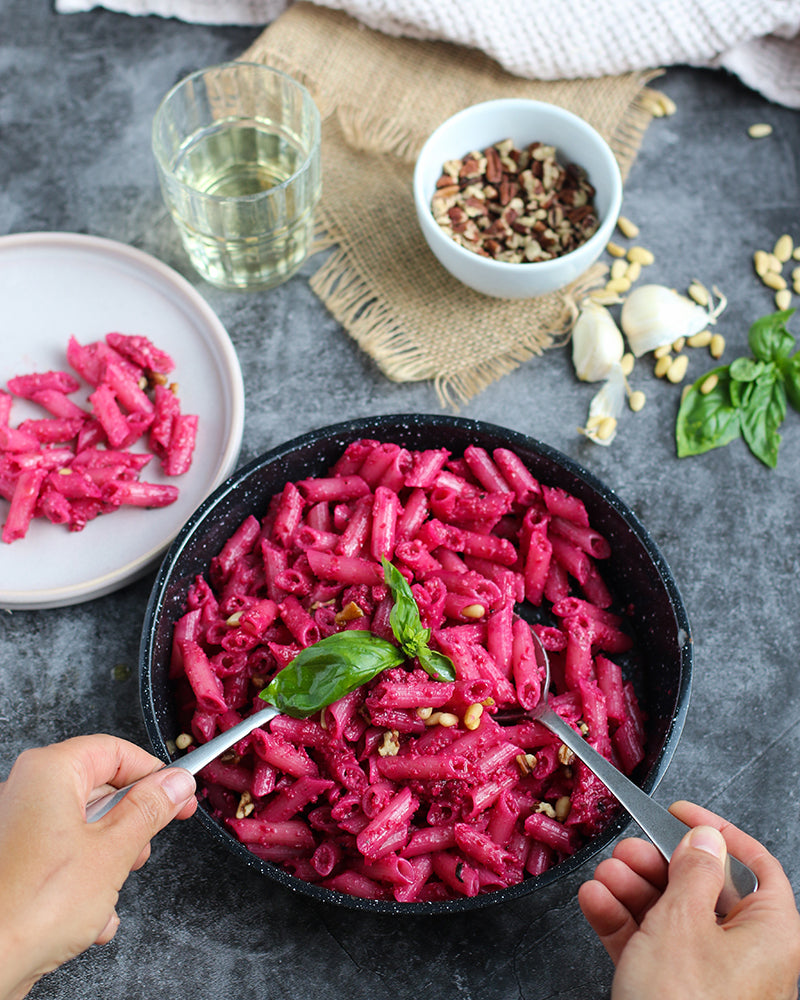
column 408, row 789
column 75, row 464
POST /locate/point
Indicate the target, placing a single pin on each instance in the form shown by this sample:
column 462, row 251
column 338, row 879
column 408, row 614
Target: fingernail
column 178, row 785
column 706, row 838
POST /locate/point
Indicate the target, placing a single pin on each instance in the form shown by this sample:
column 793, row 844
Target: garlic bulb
column 597, row 344
column 654, row 316
column 605, row 408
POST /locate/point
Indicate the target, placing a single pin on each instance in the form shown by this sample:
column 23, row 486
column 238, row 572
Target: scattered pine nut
column 774, row 281
column 760, row 130
column 618, row 285
column 708, row 384
column 627, row 228
column 784, row 248
column 424, row 713
column 701, row 339
column 796, row 253
column 685, row 391
column 604, row 298
column 641, row 255
column 679, row 344
column 761, row 262
column 698, row 293
column 618, row 269
column 717, row 346
column 615, row 249
column 633, row 271
column 473, row 611
column 606, row 428
column 677, row 369
column 562, row 807
column 626, row 363
column 783, row 298
column 796, row 287
column 773, row 264
column 660, row 352
column 183, row 741
column 636, row 400
column 662, row 365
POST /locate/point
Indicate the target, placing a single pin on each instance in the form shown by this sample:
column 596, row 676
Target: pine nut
column 618, row 269
column 617, row 285
column 773, row 264
column 615, row 249
column 562, row 807
column 784, row 247
column 424, row 713
column 472, row 716
column 606, row 428
column 717, row 346
column 783, row 298
column 627, row 362
column 473, row 611
column 604, row 298
column 234, row 619
column 796, row 274
column 183, row 741
column 677, row 370
column 796, row 287
column 698, row 293
column 636, row 400
column 774, row 281
column 796, row 253
column 685, row 391
column 701, row 339
column 662, row 351
column 708, row 384
column 662, row 365
column 627, row 228
column 679, row 345
column 761, row 262
column 760, row 130
column 641, row 255
column 633, row 271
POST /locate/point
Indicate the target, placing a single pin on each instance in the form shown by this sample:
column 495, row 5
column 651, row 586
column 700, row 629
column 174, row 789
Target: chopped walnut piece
column 541, row 209
column 390, row 744
column 246, row 805
column 349, row 613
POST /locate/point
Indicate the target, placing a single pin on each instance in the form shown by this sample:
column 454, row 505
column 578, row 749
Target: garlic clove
column 606, row 407
column 654, row 316
column 597, row 343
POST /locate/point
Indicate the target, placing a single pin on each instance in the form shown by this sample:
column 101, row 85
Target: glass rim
column 316, row 137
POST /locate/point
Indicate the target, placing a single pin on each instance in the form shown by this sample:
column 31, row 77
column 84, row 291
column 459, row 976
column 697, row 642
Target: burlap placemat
column 380, row 97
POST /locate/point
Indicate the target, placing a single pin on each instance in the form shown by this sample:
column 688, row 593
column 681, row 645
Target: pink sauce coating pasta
column 408, row 789
column 71, row 464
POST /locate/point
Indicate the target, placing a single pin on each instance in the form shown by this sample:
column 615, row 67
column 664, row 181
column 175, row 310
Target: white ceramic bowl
column 524, row 122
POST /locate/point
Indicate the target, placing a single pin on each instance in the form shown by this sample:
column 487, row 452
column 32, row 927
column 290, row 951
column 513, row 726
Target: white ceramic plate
column 53, row 285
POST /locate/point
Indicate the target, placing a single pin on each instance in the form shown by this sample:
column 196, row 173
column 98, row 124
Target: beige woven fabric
column 379, row 98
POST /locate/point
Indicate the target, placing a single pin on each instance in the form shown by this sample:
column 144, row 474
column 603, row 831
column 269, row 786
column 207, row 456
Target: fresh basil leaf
column 763, row 416
column 768, row 337
column 745, row 369
column 328, row 670
column 790, row 371
column 407, row 627
column 740, row 392
column 404, row 617
column 436, row 664
column 707, row 420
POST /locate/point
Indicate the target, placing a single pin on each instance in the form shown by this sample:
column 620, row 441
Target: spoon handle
column 665, row 830
column 191, row 762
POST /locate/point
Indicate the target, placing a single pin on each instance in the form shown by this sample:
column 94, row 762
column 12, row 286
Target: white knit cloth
column 758, row 40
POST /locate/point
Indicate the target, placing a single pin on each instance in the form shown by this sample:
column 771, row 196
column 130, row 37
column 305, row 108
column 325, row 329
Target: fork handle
column 665, row 830
column 191, row 762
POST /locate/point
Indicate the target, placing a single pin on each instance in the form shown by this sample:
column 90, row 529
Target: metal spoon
column 664, row 829
column 191, row 762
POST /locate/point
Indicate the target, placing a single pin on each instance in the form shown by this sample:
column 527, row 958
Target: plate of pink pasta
column 437, row 543
column 121, row 409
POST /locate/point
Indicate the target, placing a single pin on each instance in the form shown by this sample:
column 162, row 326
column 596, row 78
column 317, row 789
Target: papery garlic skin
column 654, row 316
column 597, row 343
column 606, row 407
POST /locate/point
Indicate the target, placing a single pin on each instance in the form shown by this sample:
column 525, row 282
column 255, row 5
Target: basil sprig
column 750, row 397
column 329, row 669
column 408, row 630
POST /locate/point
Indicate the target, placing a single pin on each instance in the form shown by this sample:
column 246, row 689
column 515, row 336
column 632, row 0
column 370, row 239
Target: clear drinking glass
column 237, row 150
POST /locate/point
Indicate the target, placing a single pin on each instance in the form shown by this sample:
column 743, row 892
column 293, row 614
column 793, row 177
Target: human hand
column 659, row 927
column 60, row 876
